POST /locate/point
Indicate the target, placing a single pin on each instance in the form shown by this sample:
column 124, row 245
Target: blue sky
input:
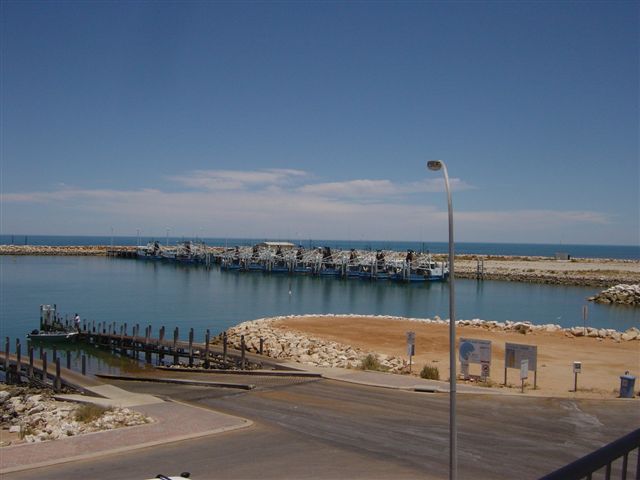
column 315, row 119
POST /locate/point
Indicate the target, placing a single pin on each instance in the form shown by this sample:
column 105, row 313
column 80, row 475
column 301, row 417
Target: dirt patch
column 603, row 360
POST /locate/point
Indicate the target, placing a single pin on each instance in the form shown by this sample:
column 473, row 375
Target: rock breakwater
column 35, row 416
column 621, row 294
column 62, row 250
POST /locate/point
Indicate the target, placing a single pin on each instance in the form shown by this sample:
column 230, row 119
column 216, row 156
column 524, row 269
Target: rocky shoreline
column 291, row 345
column 31, row 415
column 620, row 294
column 58, row 250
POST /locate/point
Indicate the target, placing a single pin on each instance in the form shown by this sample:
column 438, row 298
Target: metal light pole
column 436, row 165
column 168, row 236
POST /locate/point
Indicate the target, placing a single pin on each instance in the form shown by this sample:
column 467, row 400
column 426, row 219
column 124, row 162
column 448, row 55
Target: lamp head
column 434, row 165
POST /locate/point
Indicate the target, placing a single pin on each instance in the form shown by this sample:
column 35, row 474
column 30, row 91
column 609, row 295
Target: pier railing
column 607, row 458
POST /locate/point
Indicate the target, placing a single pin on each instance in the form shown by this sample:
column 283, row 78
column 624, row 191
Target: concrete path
column 390, row 380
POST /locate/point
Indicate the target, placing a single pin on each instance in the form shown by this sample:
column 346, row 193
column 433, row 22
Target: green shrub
column 89, row 412
column 371, row 362
column 430, row 372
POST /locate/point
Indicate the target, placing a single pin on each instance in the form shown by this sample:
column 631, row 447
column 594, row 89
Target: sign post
column 577, row 368
column 524, row 373
column 515, row 353
column 411, row 347
column 585, row 315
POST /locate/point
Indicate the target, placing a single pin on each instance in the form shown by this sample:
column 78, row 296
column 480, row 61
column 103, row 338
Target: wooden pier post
column 84, row 364
column 224, row 349
column 242, row 359
column 161, row 346
column 44, row 367
column 57, row 384
column 7, row 346
column 175, row 347
column 30, row 371
column 207, row 337
column 18, row 359
column 261, row 345
column 191, row 347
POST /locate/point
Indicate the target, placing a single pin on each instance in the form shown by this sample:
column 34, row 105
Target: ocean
column 631, row 252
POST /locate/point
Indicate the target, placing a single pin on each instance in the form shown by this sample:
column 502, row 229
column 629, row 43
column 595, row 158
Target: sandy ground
column 603, row 361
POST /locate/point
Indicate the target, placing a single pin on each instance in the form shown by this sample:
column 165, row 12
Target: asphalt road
column 324, row 429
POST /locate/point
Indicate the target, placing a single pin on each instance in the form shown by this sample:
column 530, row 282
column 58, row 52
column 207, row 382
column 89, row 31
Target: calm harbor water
column 132, row 291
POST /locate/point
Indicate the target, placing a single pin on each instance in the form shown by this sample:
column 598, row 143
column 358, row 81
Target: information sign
column 474, row 351
column 515, row 353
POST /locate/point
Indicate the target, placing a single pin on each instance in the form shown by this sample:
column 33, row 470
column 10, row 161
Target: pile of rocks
column 36, row 416
column 624, row 294
column 631, row 334
column 297, row 347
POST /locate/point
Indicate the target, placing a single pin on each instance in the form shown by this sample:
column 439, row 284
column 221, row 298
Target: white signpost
column 472, row 350
column 411, row 346
column 524, row 372
column 577, row 368
column 515, row 353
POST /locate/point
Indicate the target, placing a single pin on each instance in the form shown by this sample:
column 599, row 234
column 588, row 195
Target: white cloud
column 269, row 204
column 367, row 189
column 236, row 179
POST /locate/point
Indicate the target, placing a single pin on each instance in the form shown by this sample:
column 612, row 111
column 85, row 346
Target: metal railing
column 604, row 457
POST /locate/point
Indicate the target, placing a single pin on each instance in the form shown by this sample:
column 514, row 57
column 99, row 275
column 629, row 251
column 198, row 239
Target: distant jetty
column 602, row 273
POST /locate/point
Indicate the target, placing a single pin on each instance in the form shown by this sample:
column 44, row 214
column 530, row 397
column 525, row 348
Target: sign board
column 515, row 353
column 411, row 343
column 474, row 351
column 485, row 370
column 577, row 367
column 524, row 369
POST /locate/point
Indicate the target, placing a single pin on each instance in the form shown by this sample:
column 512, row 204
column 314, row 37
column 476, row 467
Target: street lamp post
column 436, row 165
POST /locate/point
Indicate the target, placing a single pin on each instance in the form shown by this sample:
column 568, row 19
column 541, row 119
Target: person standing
column 76, row 319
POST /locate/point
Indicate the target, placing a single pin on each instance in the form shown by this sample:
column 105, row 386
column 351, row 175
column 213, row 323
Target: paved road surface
column 321, row 429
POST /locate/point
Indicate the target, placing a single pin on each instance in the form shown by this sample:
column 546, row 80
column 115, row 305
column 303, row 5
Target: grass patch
column 430, row 372
column 26, row 430
column 89, row 412
column 371, row 362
